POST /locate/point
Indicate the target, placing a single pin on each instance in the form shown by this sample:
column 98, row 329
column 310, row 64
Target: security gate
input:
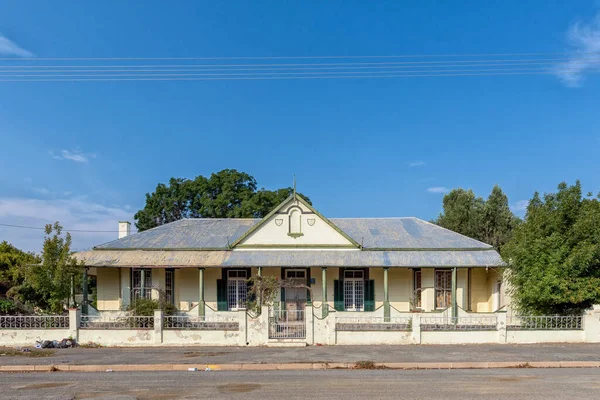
column 287, row 324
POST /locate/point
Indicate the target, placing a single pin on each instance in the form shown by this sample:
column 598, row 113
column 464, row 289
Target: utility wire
column 64, row 229
column 256, row 78
column 484, row 61
column 278, row 73
column 295, row 57
column 192, row 68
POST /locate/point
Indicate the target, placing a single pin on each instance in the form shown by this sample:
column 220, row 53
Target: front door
column 295, row 297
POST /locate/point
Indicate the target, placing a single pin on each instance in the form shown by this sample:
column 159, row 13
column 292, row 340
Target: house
column 392, row 265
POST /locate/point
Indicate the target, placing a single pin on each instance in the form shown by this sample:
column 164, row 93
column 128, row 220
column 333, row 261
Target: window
column 169, row 287
column 417, row 289
column 443, row 288
column 354, row 290
column 142, row 283
column 236, row 289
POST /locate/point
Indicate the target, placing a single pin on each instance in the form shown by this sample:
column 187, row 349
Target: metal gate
column 287, row 324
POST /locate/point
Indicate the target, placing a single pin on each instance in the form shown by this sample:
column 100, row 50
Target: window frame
column 358, row 280
column 240, row 296
column 418, row 289
column 446, row 291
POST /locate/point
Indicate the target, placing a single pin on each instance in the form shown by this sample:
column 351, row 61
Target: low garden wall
column 344, row 328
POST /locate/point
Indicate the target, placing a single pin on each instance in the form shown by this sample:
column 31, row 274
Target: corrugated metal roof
column 388, row 233
column 200, row 233
column 290, row 258
column 404, row 233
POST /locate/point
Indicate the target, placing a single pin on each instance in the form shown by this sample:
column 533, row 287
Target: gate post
column 416, row 328
column 158, row 326
column 309, row 324
column 74, row 320
column 501, row 326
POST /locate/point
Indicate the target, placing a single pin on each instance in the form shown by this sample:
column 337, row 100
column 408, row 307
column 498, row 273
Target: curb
column 296, row 366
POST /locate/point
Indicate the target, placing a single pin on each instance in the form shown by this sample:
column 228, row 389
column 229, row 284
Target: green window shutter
column 282, row 292
column 370, row 295
column 222, row 295
column 338, row 295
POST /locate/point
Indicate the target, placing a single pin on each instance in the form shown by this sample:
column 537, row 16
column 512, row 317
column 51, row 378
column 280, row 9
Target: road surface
column 344, row 384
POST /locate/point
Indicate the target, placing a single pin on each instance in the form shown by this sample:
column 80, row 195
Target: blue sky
column 85, row 153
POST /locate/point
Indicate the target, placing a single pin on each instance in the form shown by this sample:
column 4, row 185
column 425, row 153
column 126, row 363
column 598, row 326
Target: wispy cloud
column 584, row 39
column 78, row 213
column 438, row 189
column 520, row 205
column 73, row 155
column 10, row 48
column 413, row 164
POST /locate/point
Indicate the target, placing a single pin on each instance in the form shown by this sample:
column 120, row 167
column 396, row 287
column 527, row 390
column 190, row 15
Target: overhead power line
column 64, row 229
column 580, row 59
column 254, row 78
column 345, row 67
column 295, row 57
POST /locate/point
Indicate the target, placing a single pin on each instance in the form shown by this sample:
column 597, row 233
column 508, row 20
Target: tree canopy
column 225, row 194
column 12, row 266
column 490, row 221
column 45, row 282
column 554, row 255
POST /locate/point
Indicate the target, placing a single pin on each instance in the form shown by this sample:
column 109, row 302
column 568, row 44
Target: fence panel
column 459, row 323
column 357, row 324
column 34, row 322
column 544, row 323
column 206, row 323
column 116, row 322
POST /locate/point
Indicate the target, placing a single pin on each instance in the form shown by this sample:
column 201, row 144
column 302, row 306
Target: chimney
column 124, row 229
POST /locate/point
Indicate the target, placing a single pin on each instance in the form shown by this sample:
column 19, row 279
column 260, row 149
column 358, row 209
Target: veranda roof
column 290, row 258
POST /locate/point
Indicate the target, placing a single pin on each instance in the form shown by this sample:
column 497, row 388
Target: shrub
column 146, row 307
column 7, row 307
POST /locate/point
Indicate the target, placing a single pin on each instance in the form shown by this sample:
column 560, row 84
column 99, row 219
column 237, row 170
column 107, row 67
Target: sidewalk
column 317, row 357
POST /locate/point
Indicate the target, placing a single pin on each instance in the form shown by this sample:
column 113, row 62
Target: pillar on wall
column 324, row 304
column 454, row 303
column 72, row 299
column 84, row 305
column 201, row 302
column 386, row 295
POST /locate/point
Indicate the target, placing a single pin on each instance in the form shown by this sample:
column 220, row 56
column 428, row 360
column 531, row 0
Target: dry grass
column 12, row 352
column 90, row 345
column 367, row 365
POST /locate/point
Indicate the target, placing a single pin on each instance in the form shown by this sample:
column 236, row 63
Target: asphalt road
column 406, row 353
column 357, row 384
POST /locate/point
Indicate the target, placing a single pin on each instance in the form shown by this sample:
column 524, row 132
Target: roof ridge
column 375, row 218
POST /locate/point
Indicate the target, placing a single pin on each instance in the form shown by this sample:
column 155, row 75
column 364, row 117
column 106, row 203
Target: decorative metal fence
column 116, row 322
column 35, row 322
column 356, row 324
column 287, row 324
column 544, row 323
column 206, row 323
column 487, row 323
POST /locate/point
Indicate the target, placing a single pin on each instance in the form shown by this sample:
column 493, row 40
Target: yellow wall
column 108, row 281
column 400, row 287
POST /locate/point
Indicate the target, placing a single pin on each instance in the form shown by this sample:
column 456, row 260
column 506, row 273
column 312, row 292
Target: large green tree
column 46, row 282
column 490, row 221
column 554, row 255
column 225, row 194
column 12, row 266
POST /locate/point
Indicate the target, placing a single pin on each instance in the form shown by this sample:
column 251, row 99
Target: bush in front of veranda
column 146, row 307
